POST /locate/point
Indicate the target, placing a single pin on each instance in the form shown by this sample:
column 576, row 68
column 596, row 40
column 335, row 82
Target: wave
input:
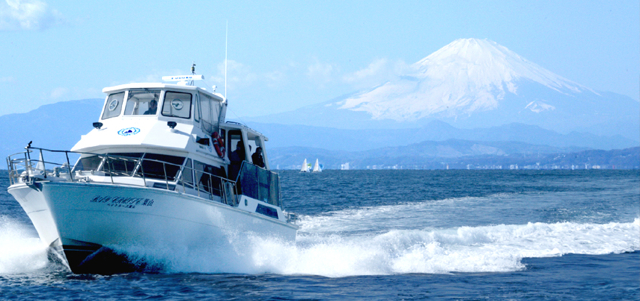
column 498, row 248
column 495, row 248
column 21, row 251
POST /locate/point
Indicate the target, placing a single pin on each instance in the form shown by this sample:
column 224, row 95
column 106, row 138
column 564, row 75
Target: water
column 558, row 235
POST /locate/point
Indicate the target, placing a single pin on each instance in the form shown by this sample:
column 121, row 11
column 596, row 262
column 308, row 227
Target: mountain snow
column 465, row 76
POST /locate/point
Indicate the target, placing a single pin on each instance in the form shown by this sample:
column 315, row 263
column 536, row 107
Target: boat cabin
column 175, row 137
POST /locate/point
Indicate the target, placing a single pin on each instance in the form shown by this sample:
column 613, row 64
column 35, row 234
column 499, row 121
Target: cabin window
column 196, row 111
column 208, row 177
column 142, row 102
column 88, row 163
column 177, row 105
column 187, row 174
column 113, row 106
column 155, row 166
column 210, row 110
column 121, row 164
column 268, row 211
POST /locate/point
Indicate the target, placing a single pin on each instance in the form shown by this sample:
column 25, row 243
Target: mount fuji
column 473, row 83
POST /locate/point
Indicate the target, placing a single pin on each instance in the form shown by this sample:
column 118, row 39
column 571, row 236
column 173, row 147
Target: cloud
column 58, row 92
column 321, row 73
column 238, row 75
column 377, row 72
column 27, row 15
column 275, row 78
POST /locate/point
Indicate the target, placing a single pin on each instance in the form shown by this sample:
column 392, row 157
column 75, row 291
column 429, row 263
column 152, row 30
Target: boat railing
column 23, row 168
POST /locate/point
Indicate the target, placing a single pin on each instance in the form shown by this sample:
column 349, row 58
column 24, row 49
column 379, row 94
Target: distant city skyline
column 289, row 54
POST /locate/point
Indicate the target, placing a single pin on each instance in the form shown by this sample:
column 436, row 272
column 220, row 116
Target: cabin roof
column 162, row 86
column 239, row 126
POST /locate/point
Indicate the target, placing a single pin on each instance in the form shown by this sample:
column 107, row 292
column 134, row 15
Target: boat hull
column 90, row 222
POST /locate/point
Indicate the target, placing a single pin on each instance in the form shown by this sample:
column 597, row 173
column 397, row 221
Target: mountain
column 474, row 83
column 60, row 125
column 459, row 154
column 52, row 126
column 365, row 139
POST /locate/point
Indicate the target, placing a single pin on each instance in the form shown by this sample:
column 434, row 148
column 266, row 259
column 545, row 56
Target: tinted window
column 187, row 174
column 155, row 165
column 268, row 211
column 208, row 177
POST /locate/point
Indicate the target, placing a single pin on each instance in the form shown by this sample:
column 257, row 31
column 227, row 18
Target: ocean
column 385, row 235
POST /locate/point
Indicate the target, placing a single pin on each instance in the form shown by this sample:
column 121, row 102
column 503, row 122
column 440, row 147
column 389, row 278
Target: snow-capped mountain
column 473, row 83
column 466, row 76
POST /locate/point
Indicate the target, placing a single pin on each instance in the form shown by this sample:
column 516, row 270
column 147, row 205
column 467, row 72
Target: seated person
column 257, row 157
column 153, row 107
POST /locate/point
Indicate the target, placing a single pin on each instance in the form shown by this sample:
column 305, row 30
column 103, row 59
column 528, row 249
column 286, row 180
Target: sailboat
column 316, row 167
column 305, row 166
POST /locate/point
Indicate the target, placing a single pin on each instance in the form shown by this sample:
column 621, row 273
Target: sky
column 283, row 55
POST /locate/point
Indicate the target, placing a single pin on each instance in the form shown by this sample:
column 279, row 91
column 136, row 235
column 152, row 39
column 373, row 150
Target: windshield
column 142, row 102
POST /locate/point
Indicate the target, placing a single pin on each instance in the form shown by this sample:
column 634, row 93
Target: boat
column 316, row 167
column 305, row 166
column 161, row 162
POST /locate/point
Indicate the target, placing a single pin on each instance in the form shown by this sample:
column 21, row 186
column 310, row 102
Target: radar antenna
column 193, row 72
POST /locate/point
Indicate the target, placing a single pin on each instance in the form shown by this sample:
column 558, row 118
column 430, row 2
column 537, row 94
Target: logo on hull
column 128, row 131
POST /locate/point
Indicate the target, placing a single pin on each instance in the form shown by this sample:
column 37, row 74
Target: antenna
column 226, row 35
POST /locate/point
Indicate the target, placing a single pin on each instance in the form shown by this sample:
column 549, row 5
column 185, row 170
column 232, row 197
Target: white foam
column 497, row 248
column 385, row 218
column 494, row 248
column 21, row 251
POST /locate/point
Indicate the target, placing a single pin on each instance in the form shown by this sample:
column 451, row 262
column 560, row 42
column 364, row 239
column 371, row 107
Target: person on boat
column 257, row 157
column 236, row 157
column 153, row 107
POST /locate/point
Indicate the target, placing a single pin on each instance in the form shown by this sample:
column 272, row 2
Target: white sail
column 305, row 166
column 316, row 167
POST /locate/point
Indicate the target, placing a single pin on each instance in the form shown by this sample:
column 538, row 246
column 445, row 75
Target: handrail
column 18, row 166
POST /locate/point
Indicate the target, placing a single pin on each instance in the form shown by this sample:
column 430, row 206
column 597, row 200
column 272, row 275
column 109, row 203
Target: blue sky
column 288, row 54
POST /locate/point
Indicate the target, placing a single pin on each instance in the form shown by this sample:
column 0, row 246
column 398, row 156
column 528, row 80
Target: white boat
column 146, row 176
column 305, row 166
column 316, row 167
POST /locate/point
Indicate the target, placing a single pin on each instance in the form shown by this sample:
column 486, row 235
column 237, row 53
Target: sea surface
column 388, row 235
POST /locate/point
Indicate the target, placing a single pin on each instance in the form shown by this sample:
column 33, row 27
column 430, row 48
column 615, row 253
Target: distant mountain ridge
column 53, row 126
column 459, row 154
column 364, row 139
column 60, row 125
column 469, row 84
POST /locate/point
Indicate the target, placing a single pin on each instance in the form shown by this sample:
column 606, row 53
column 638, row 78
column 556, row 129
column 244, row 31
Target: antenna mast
column 226, row 34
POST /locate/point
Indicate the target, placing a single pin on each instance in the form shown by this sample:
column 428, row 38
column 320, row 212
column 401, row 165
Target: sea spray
column 21, row 251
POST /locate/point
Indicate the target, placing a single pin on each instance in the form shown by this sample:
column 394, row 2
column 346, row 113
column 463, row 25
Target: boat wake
column 495, row 248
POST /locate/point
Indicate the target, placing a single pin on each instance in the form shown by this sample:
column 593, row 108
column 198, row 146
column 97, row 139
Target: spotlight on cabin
column 172, row 124
column 97, row 125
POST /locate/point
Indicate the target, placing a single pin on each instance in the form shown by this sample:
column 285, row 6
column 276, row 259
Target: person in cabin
column 153, row 107
column 257, row 157
column 236, row 157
